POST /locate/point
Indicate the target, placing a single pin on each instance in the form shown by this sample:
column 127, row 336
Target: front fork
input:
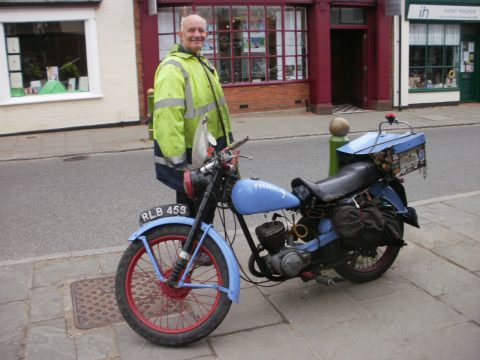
column 186, row 252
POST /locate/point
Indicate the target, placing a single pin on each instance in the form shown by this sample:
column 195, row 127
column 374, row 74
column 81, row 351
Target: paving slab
column 99, row 344
column 471, row 229
column 456, row 342
column 48, row 340
column 13, row 320
column 467, row 302
column 469, row 204
column 55, row 272
column 447, row 215
column 133, row 346
column 433, row 235
column 316, row 308
column 278, row 342
column 412, row 313
column 465, row 254
column 16, row 281
column 46, row 303
column 251, row 312
column 109, row 262
column 360, row 339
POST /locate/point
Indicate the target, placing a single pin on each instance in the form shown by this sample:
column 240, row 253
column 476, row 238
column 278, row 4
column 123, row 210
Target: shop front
column 441, row 47
column 277, row 55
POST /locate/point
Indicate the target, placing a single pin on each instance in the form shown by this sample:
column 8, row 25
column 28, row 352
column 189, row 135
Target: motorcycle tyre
column 162, row 338
column 346, row 271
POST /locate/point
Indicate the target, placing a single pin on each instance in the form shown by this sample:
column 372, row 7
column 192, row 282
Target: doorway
column 348, row 67
column 470, row 64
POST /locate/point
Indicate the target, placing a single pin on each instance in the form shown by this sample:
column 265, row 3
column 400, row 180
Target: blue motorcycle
column 176, row 281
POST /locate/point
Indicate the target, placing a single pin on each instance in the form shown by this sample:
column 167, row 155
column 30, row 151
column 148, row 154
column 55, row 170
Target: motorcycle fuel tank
column 253, row 196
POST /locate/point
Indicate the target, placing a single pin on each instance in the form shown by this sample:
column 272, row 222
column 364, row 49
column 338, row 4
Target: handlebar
column 392, row 119
column 237, row 144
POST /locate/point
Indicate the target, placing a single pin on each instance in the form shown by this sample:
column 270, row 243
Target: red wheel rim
column 165, row 309
column 366, row 264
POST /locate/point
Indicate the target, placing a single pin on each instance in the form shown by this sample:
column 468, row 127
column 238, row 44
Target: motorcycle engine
column 282, row 260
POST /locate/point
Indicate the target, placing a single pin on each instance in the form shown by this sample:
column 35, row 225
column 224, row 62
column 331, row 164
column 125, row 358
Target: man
column 187, row 88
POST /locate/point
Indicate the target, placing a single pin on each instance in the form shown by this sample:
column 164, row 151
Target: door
column 348, row 67
column 469, row 64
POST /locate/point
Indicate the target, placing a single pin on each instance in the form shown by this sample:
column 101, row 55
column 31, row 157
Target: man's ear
column 180, row 34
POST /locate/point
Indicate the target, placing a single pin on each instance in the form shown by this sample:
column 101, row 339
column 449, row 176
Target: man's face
column 193, row 33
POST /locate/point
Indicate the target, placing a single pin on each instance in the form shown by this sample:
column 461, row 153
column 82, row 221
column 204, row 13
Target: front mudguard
column 395, row 195
column 233, row 291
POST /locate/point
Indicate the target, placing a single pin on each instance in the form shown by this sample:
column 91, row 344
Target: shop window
column 48, row 58
column 434, row 57
column 247, row 44
column 347, row 16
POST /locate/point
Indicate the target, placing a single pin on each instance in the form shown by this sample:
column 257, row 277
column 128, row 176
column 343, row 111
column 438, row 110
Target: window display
column 248, row 44
column 45, row 57
column 434, row 56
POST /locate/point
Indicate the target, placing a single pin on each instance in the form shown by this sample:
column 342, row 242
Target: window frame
column 426, row 67
column 48, row 15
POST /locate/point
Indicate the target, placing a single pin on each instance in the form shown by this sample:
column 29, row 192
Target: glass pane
column 290, row 68
column 257, row 18
column 275, row 43
column 274, row 18
column 417, row 55
column 436, row 35
column 239, row 18
column 416, row 79
column 301, row 67
column 165, row 42
column 335, row 16
column 181, row 12
column 241, row 70
column 209, row 47
column 259, row 69
column 289, row 18
column 301, row 43
column 452, row 34
column 257, row 42
column 222, row 16
column 224, row 47
column 352, row 16
column 451, row 56
column 435, row 78
column 418, row 34
column 46, row 57
column 434, row 55
column 207, row 13
column 289, row 43
column 275, row 68
column 165, row 20
column 240, row 43
column 224, row 68
column 301, row 19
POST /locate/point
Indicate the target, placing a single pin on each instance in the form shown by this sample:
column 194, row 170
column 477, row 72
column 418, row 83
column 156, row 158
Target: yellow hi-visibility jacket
column 183, row 95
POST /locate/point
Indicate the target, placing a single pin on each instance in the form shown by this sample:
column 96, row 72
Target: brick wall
column 267, row 97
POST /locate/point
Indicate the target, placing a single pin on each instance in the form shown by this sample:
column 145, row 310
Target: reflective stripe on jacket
column 183, row 96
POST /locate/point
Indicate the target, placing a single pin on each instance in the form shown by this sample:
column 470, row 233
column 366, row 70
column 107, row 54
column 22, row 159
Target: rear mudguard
column 233, row 291
column 406, row 213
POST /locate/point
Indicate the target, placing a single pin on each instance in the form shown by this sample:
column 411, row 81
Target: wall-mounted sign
column 393, row 7
column 443, row 12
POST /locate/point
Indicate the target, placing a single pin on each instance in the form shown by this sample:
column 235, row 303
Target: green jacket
column 183, row 96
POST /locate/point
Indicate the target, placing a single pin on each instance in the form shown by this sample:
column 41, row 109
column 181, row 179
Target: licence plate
column 164, row 211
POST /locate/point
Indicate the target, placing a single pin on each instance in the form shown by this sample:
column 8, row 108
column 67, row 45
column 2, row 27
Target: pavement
column 427, row 306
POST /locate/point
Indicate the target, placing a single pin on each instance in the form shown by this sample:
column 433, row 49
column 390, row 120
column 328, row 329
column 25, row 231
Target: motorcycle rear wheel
column 171, row 316
column 369, row 264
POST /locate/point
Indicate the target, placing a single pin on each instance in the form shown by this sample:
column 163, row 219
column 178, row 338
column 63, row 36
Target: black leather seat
column 348, row 180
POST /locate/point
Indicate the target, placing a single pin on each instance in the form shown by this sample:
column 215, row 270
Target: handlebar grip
column 238, row 143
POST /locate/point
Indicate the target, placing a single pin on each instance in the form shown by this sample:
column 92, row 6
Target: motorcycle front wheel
column 171, row 316
column 367, row 265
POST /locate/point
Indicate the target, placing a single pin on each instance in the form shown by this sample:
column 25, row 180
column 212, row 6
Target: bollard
column 150, row 113
column 339, row 128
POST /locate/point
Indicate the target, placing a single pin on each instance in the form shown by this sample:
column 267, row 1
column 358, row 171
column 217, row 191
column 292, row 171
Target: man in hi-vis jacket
column 187, row 88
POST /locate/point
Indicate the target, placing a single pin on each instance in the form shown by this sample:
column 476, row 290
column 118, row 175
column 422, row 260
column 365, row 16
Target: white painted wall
column 112, row 99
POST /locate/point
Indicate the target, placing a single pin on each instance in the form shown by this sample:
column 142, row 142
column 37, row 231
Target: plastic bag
column 201, row 142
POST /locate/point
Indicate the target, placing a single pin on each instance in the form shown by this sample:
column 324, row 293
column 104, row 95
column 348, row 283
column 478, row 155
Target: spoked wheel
column 368, row 264
column 171, row 316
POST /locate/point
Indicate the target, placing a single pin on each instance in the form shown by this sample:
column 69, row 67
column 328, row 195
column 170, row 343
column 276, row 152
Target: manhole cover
column 94, row 303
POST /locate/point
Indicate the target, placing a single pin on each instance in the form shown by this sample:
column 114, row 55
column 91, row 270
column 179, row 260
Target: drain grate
column 94, row 303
